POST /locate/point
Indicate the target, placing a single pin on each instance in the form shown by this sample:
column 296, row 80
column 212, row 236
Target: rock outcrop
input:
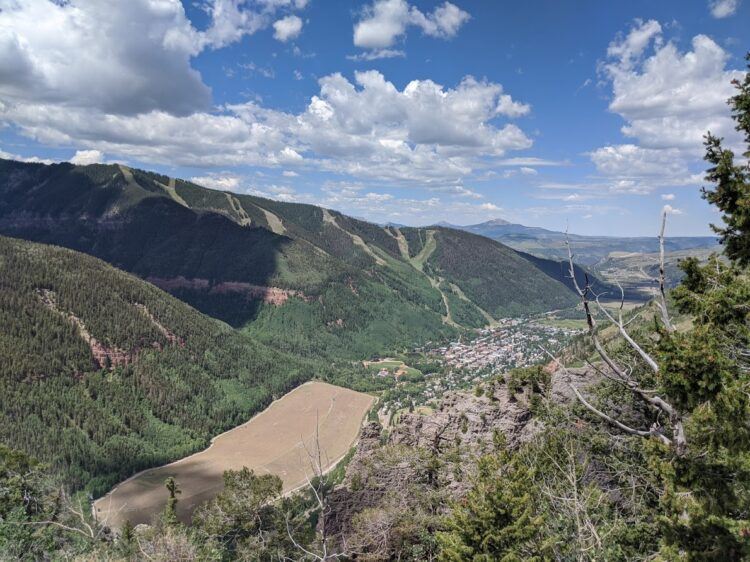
column 269, row 295
column 108, row 356
column 439, row 450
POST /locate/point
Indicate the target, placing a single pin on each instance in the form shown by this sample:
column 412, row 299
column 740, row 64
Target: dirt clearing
column 271, row 442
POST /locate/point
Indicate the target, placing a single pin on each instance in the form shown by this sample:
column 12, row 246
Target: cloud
column 252, row 68
column 121, row 58
column 377, row 54
column 490, row 207
column 19, row 158
column 632, row 160
column 386, row 21
column 218, row 181
column 723, row 8
column 444, row 22
column 116, row 78
column 668, row 196
column 287, row 28
column 424, row 133
column 86, row 157
column 531, row 161
column 668, row 209
column 567, row 197
column 573, row 210
column 506, row 106
column 669, row 99
column 629, row 48
column 356, row 199
column 85, row 55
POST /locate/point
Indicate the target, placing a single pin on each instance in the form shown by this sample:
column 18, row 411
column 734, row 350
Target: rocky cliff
column 433, row 456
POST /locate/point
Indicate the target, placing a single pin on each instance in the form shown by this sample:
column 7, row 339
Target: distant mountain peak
column 497, row 222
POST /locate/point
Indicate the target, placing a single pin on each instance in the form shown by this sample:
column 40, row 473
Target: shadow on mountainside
column 151, row 236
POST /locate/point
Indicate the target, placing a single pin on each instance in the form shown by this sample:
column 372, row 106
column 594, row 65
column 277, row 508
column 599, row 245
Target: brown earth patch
column 274, row 441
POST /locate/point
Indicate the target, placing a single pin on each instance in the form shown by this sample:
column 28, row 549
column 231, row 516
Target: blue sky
column 545, row 113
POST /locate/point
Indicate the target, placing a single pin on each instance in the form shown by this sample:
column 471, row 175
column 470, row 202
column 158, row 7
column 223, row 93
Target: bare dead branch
column 662, row 278
column 653, row 432
column 317, row 484
column 623, row 332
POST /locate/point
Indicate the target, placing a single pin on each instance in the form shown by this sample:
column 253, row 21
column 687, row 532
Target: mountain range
column 211, row 304
column 143, row 314
column 306, row 279
column 588, row 250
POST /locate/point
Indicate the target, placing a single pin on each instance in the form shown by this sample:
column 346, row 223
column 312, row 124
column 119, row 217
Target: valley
column 260, row 302
column 103, row 374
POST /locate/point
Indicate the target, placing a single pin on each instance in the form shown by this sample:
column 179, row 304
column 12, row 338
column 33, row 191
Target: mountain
column 306, row 279
column 103, row 374
column 588, row 250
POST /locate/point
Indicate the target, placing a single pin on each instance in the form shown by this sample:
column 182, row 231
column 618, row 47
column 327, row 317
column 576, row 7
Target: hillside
column 307, row 279
column 102, row 374
column 638, row 273
column 588, row 249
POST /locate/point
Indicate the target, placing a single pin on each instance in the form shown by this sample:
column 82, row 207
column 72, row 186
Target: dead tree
column 72, row 518
column 318, row 485
column 672, row 436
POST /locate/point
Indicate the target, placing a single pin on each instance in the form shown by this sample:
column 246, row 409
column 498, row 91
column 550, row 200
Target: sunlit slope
column 310, row 279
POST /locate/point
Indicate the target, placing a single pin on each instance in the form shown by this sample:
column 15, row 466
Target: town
column 515, row 342
column 511, row 343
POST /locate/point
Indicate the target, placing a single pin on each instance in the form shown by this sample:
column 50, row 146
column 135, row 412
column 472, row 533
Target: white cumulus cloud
column 124, row 57
column 287, row 28
column 218, row 181
column 425, row 132
column 386, row 21
column 86, row 157
column 723, row 8
column 116, row 78
column 668, row 99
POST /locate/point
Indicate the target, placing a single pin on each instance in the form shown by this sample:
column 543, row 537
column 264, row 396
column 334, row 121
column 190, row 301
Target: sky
column 582, row 114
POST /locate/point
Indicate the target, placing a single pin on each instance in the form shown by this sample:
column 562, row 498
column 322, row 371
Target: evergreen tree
column 732, row 192
column 244, row 513
column 706, row 372
column 170, row 512
column 126, row 542
column 496, row 520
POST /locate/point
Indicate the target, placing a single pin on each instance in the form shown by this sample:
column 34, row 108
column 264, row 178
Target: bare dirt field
column 271, row 442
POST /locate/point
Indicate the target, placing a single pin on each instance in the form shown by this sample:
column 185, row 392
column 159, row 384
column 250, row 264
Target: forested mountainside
column 103, row 374
column 308, row 279
column 589, row 249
